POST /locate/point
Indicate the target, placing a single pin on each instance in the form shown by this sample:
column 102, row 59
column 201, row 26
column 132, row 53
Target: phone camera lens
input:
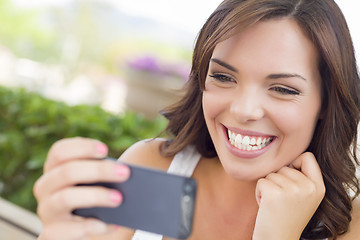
column 188, row 188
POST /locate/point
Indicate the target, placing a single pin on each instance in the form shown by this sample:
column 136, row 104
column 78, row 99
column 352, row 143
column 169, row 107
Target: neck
column 227, row 203
column 228, row 192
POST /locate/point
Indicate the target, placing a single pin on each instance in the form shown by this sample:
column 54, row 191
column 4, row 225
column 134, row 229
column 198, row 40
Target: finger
column 265, row 188
column 74, row 148
column 68, row 174
column 62, row 203
column 293, row 174
column 75, row 230
column 280, row 180
column 308, row 165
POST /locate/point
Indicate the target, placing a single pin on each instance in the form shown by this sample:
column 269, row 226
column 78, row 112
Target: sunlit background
column 90, row 51
column 100, row 52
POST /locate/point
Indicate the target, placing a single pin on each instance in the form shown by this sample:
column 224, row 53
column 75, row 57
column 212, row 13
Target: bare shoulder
column 354, row 229
column 146, row 153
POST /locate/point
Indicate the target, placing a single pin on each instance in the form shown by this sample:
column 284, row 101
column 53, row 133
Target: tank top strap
column 184, row 164
column 142, row 235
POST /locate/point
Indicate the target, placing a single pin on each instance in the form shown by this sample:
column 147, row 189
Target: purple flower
column 146, row 63
column 152, row 65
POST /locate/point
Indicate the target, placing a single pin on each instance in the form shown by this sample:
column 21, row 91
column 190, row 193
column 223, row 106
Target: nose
column 247, row 106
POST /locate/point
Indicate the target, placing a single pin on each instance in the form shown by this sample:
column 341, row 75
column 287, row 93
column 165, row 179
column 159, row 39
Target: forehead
column 274, row 43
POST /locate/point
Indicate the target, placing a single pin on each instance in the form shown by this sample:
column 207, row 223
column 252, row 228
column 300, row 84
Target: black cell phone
column 153, row 201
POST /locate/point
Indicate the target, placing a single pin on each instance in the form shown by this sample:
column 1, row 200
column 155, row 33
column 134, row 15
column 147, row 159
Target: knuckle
column 40, row 210
column 323, row 190
column 37, row 188
column 285, row 170
column 101, row 170
column 308, row 155
column 293, row 189
column 54, row 153
column 260, row 182
column 55, row 149
column 43, row 210
column 93, row 227
column 271, row 176
column 67, row 173
column 96, row 196
column 105, row 168
column 310, row 190
column 63, row 199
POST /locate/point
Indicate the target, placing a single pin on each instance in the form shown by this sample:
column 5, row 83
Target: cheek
column 296, row 124
column 213, row 105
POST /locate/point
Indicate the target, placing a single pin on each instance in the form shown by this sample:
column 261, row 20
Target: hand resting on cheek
column 288, row 199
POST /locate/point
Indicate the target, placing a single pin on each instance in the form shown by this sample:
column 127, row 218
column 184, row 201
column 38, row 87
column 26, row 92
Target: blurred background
column 90, row 51
column 94, row 68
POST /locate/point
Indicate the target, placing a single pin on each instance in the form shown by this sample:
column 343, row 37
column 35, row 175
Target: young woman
column 269, row 118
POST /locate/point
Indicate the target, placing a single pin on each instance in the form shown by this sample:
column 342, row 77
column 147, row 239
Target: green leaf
column 30, row 124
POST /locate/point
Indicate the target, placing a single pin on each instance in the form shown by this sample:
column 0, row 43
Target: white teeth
column 248, row 143
column 246, row 140
column 238, row 140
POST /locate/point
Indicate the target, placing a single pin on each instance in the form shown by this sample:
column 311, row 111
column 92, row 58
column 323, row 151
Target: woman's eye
column 221, row 77
column 285, row 91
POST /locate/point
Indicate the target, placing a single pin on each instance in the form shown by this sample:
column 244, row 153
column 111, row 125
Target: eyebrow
column 285, row 75
column 271, row 76
column 224, row 64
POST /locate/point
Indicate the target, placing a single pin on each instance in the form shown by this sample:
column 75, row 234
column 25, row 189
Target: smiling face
column 262, row 98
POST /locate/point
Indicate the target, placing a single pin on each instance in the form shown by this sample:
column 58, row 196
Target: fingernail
column 122, row 170
column 115, row 197
column 101, row 149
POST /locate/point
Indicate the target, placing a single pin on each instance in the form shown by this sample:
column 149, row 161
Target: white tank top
column 184, row 164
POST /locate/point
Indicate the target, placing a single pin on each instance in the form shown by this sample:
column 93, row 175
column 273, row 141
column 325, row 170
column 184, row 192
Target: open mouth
column 248, row 143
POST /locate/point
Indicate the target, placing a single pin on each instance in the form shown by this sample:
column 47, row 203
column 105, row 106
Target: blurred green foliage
column 30, row 124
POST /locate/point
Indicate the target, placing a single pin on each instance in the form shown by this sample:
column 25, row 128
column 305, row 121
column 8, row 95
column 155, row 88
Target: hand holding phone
column 57, row 196
column 154, row 201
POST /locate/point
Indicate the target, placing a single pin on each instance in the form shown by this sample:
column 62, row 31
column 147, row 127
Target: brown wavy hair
column 335, row 138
